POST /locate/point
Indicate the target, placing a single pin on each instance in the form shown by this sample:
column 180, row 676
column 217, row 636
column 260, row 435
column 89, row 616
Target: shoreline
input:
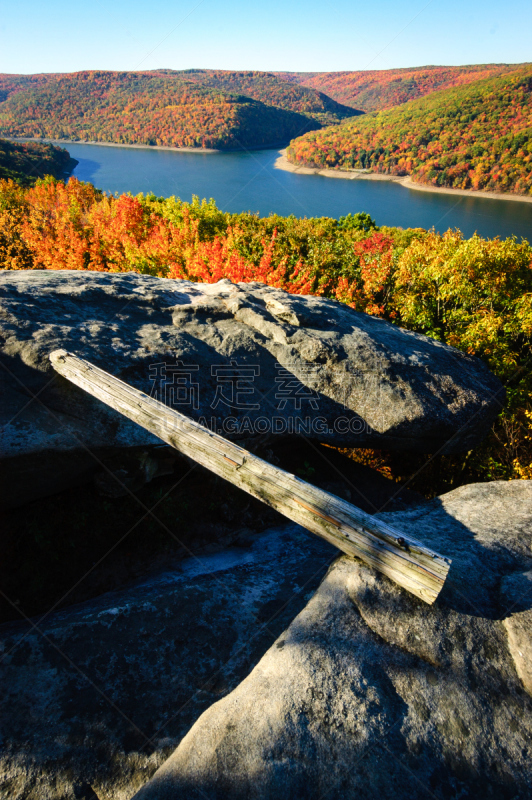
column 283, row 163
column 355, row 174
column 200, row 150
column 116, row 144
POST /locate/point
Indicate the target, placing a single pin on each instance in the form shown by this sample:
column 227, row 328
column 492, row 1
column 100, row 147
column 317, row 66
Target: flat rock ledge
column 370, row 693
column 95, row 697
column 268, row 361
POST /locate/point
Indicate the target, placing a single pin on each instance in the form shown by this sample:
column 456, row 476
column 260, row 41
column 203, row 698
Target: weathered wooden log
column 395, row 554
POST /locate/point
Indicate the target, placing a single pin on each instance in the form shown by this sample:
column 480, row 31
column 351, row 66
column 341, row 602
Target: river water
column 248, row 181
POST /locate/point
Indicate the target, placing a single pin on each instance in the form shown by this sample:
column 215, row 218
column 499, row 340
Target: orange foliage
column 374, row 90
column 161, row 108
column 74, row 226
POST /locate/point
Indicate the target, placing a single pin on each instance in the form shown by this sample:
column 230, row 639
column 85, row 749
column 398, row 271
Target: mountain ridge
column 375, row 90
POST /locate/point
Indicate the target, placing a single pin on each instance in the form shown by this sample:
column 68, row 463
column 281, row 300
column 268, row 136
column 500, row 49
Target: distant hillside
column 143, row 108
column 11, row 84
column 25, row 162
column 477, row 136
column 375, row 90
column 273, row 91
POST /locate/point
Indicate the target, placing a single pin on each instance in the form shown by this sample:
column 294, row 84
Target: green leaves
column 358, row 222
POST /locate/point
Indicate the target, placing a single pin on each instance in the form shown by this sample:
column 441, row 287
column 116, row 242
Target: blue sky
column 312, row 36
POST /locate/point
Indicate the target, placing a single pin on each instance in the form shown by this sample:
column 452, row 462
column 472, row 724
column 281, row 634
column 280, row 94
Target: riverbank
column 200, row 150
column 116, row 144
column 359, row 174
column 241, row 182
column 284, row 164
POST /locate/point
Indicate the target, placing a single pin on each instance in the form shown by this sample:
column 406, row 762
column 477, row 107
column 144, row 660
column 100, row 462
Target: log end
column 57, row 355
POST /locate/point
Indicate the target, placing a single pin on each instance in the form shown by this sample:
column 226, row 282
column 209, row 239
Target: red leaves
column 370, row 289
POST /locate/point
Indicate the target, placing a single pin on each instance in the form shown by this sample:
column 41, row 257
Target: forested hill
column 11, row 84
column 272, row 91
column 25, row 162
column 191, row 108
column 143, row 108
column 374, row 90
column 477, row 136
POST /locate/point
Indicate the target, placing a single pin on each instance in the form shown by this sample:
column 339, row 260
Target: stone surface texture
column 309, row 359
column 371, row 693
column 95, row 697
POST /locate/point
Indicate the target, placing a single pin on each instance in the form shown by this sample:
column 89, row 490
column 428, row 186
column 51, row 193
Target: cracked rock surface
column 305, row 359
column 371, row 693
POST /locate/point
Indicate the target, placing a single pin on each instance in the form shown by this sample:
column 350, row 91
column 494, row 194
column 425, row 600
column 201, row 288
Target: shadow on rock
column 371, row 693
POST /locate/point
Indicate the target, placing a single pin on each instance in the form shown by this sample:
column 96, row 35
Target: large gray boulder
column 371, row 693
column 97, row 696
column 246, row 359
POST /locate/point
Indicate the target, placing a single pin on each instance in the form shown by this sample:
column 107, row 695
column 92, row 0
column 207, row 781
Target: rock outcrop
column 97, row 696
column 370, row 693
column 247, row 359
column 367, row 693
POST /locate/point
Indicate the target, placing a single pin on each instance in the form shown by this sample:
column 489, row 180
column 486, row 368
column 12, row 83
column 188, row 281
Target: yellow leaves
column 522, row 472
column 470, row 293
column 522, row 464
column 523, row 312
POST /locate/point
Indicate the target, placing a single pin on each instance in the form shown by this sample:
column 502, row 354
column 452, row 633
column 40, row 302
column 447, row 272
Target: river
column 248, row 181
